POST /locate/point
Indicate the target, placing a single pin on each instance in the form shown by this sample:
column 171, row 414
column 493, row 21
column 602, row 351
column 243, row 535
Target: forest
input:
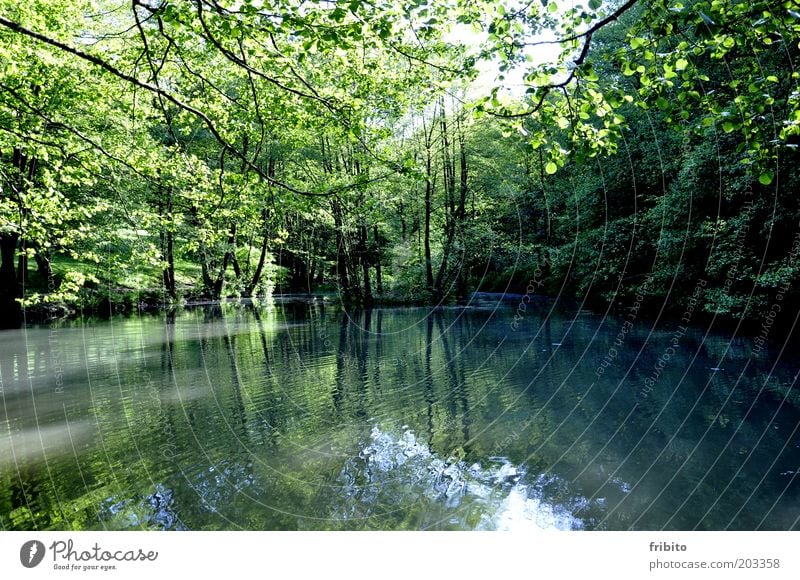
column 163, row 152
column 378, row 265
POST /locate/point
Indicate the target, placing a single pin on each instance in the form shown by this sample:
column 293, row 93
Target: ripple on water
column 401, row 471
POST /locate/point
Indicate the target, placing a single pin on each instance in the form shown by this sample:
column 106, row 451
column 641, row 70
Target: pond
column 298, row 415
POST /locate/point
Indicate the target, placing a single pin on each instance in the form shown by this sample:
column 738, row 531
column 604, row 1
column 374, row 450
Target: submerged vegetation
column 168, row 150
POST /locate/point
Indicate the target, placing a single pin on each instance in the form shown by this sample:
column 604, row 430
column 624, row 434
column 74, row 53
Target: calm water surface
column 297, row 415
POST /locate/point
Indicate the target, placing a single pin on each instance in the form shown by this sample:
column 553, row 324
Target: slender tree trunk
column 22, row 266
column 219, row 282
column 298, row 271
column 313, row 263
column 168, row 250
column 364, row 258
column 169, row 271
column 206, row 266
column 229, row 257
column 231, row 253
column 262, row 257
column 448, row 169
column 461, row 282
column 427, row 243
column 451, row 212
column 341, row 252
column 438, row 283
column 378, row 256
column 428, row 195
column 265, row 216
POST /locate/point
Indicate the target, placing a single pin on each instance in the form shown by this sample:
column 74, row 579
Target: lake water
column 297, row 415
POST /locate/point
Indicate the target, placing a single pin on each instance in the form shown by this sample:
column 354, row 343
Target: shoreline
column 652, row 314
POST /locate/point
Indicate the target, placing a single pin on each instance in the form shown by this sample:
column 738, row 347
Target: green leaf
column 766, row 178
column 595, row 4
column 550, row 168
column 728, row 126
column 637, row 42
column 681, row 64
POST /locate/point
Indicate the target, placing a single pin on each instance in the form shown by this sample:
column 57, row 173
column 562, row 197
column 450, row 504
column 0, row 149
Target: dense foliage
column 159, row 151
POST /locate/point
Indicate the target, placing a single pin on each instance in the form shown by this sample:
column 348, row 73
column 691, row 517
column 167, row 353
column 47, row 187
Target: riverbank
column 775, row 327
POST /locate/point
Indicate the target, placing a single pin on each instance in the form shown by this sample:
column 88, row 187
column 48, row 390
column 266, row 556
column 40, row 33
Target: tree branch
column 587, row 40
column 18, row 28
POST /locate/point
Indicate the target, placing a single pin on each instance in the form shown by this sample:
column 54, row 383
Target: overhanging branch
column 108, row 67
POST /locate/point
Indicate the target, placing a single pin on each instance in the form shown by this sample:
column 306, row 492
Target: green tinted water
column 296, row 415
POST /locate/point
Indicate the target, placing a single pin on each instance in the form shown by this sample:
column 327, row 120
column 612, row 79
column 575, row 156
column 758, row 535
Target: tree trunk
column 168, row 251
column 364, row 258
column 10, row 311
column 215, row 285
column 233, row 260
column 22, row 267
column 427, row 241
column 169, row 271
column 428, row 195
column 298, row 271
column 206, row 267
column 447, row 183
column 461, row 214
column 10, row 285
column 262, row 257
column 45, row 267
column 377, row 260
column 216, row 293
column 341, row 252
column 313, row 263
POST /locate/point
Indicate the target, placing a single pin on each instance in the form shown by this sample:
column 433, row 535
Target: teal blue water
column 295, row 415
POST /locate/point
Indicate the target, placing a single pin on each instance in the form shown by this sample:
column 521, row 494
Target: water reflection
column 399, row 476
column 301, row 416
